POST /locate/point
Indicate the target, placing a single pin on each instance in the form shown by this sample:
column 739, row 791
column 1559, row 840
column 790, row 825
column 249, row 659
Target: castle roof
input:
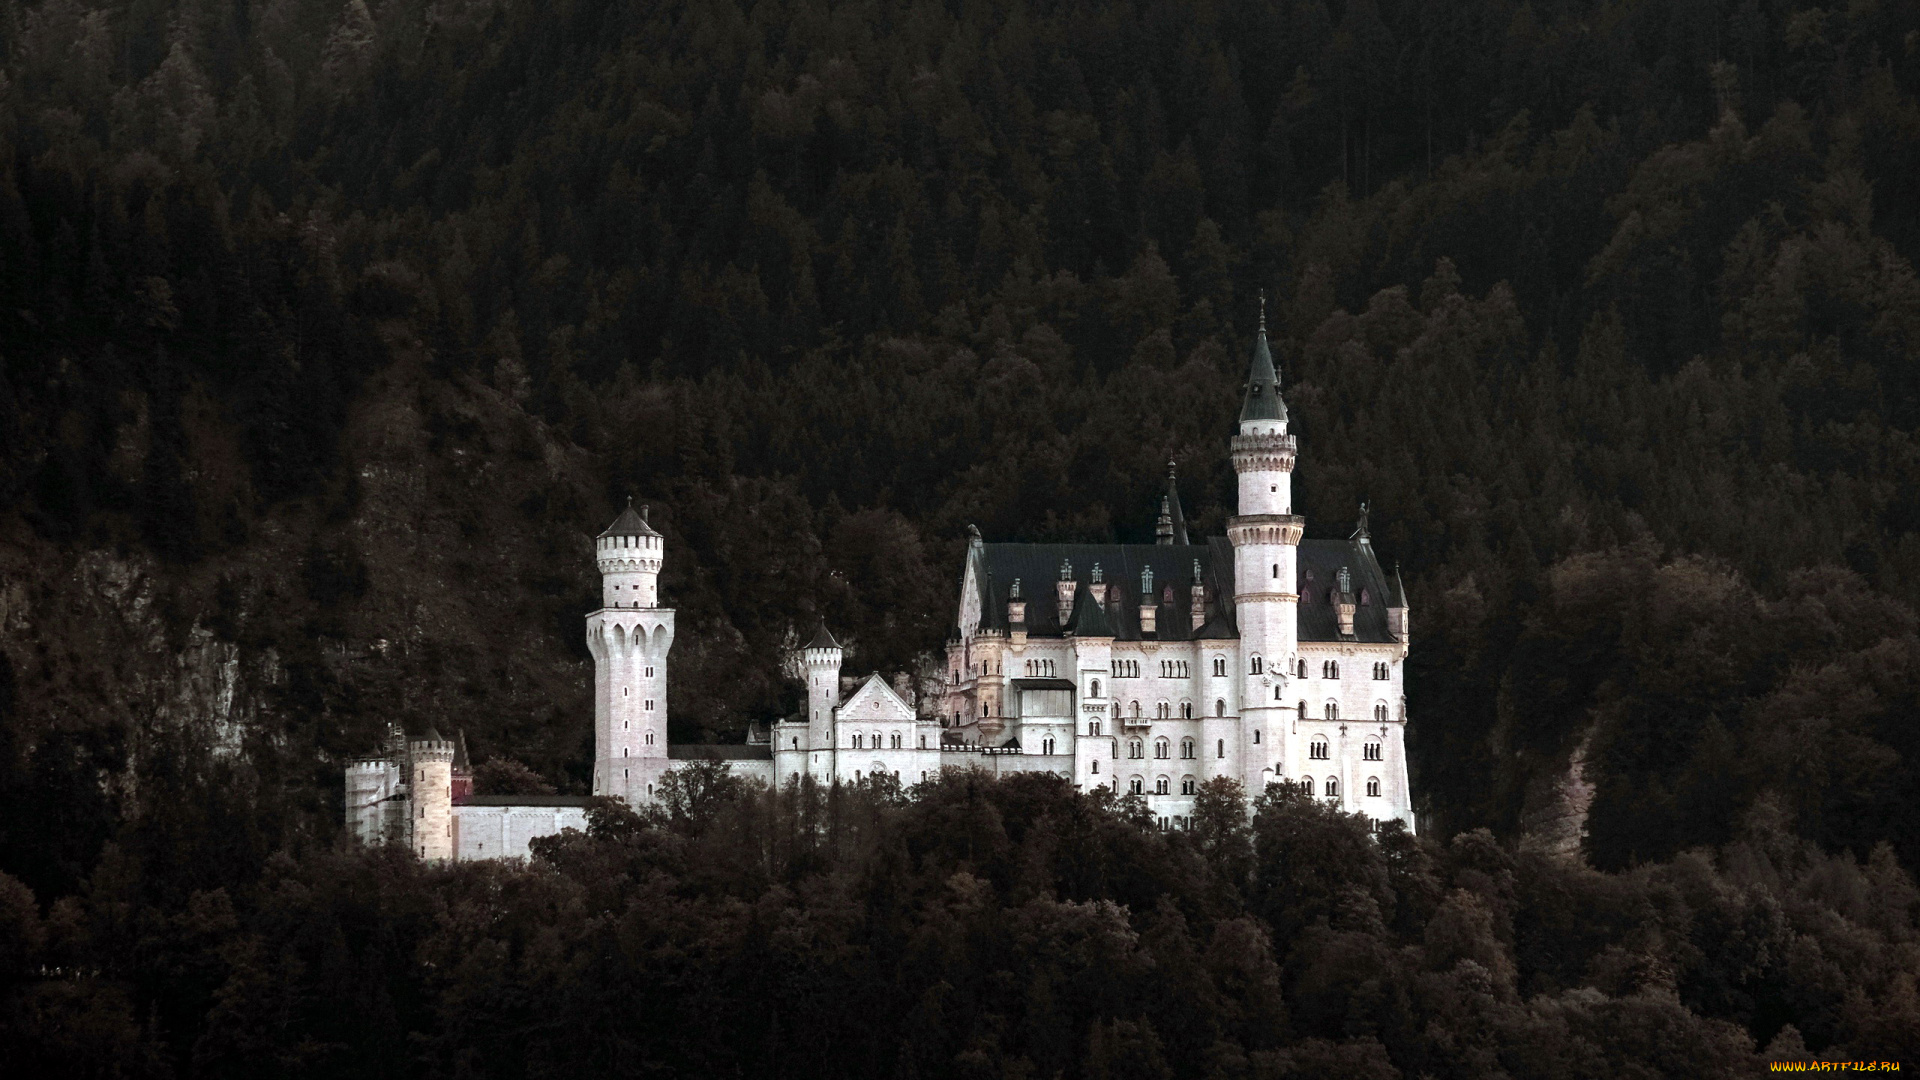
column 629, row 523
column 1317, row 566
column 823, row 640
column 1263, row 382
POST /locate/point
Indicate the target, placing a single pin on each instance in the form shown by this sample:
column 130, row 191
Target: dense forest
column 330, row 332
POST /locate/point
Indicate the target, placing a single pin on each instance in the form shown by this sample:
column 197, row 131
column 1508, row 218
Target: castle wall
column 504, row 832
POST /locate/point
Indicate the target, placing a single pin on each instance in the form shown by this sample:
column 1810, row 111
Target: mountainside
column 330, row 333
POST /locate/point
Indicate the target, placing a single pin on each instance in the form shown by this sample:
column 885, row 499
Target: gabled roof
column 629, row 523
column 876, row 691
column 1318, row 571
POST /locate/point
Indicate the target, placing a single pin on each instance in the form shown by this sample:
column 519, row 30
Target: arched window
column 923, row 742
column 895, row 742
column 1256, row 736
column 1333, row 787
column 1371, row 751
column 1161, row 748
column 1276, row 692
column 1219, row 748
column 1096, row 766
column 1303, row 710
column 1317, row 749
column 1219, row 706
column 1306, row 784
column 1096, row 689
column 1186, row 710
column 1093, row 727
column 1255, row 663
column 1136, row 784
column 1186, row 749
column 856, row 741
column 1186, row 785
column 649, row 738
column 1161, row 786
column 1373, row 787
column 1219, row 666
column 1333, row 710
column 1135, row 749
column 1134, row 708
column 1380, row 711
column 1163, row 711
column 1046, row 745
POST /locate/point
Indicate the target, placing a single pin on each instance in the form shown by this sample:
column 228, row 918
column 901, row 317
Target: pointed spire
column 1263, row 381
column 823, row 640
column 1172, row 527
column 631, row 522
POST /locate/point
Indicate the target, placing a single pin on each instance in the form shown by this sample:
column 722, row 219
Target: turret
column 1063, row 592
column 629, row 638
column 1172, row 525
column 430, row 795
column 1344, row 604
column 1149, row 608
column 629, row 555
column 1198, row 609
column 1016, row 614
column 1397, row 622
column 824, row 657
column 1265, row 537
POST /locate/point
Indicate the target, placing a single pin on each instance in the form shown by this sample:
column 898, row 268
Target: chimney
column 1016, row 614
column 1343, row 602
column 1064, row 593
column 1199, row 612
column 1149, row 611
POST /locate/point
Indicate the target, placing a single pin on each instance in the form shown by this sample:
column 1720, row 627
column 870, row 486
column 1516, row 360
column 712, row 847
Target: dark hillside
column 330, row 332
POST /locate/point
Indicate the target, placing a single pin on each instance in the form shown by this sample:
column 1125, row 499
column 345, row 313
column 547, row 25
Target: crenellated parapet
column 1263, row 453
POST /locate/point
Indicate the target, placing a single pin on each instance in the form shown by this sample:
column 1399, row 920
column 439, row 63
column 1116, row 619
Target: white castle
column 1147, row 669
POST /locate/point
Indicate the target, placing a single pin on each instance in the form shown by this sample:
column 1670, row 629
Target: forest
column 331, row 332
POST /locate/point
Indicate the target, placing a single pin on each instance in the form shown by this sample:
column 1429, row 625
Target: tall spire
column 1263, row 382
column 1172, row 526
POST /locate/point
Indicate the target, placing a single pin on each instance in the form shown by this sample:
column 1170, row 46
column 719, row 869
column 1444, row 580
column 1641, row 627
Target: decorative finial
column 1169, row 470
column 1263, row 311
column 643, row 509
column 1146, row 582
column 1013, row 591
column 1098, row 577
column 1066, row 569
column 1196, row 571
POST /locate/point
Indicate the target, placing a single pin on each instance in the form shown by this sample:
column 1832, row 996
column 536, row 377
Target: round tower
column 629, row 638
column 430, row 797
column 1265, row 537
column 824, row 657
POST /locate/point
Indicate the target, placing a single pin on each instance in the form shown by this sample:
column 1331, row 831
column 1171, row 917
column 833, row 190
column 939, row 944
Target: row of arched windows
column 1125, row 669
column 894, row 741
column 1162, row 785
column 1040, row 668
column 1173, row 669
column 1331, row 787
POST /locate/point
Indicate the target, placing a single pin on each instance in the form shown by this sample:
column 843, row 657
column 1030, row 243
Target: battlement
column 431, row 750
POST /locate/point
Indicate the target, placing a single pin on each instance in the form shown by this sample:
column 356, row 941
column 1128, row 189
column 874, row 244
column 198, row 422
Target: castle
column 1146, row 669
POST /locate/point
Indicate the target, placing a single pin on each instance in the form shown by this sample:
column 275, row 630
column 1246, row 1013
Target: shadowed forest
column 330, row 333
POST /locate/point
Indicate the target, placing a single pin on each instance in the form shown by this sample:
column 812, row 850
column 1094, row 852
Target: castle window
column 1160, row 749
column 1096, row 766
column 1332, row 788
column 1330, row 669
column 1186, row 710
column 856, row 741
column 1373, row 787
column 1134, row 708
column 1276, row 692
column 1186, row 785
column 796, row 742
column 1093, row 727
column 896, row 740
column 1303, row 667
column 1303, row 710
column 923, row 746
column 1256, row 736
column 1161, row 711
column 1306, row 784
column 1255, row 665
column 1161, row 787
column 1276, row 570
column 1096, row 689
column 1135, row 749
column 1382, row 671
column 1046, row 745
column 1219, row 666
column 1219, row 706
column 1317, row 750
column 1371, row 751
column 1220, row 748
column 1333, row 710
column 623, row 751
column 1186, row 749
column 1380, row 712
column 649, row 738
column 1136, row 784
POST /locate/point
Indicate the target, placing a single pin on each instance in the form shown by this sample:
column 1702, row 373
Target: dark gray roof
column 1318, row 566
column 1043, row 684
column 823, row 640
column 630, row 523
column 714, row 751
column 1120, row 565
column 526, row 800
column 1319, row 571
column 1263, row 385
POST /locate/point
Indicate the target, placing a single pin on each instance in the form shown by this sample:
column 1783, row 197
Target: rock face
column 1555, row 819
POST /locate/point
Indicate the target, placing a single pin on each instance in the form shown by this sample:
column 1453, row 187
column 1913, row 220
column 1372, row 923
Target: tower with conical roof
column 1265, row 536
column 629, row 637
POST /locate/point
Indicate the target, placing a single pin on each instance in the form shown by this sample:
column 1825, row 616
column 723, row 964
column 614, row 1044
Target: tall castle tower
column 824, row 656
column 1265, row 535
column 430, row 797
column 629, row 638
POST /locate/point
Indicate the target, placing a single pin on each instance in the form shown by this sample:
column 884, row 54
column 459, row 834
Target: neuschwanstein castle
column 1144, row 668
